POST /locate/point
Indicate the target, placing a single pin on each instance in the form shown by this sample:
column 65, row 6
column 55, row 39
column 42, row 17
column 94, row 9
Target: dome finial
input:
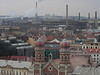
column 64, row 34
column 39, row 34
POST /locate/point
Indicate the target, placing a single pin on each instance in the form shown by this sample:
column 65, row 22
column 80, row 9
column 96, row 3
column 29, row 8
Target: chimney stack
column 79, row 16
column 96, row 22
column 36, row 10
column 88, row 24
column 66, row 15
column 95, row 15
column 88, row 16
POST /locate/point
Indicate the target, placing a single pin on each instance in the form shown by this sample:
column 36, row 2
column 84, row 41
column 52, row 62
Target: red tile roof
column 90, row 36
column 93, row 50
column 50, row 38
column 19, row 57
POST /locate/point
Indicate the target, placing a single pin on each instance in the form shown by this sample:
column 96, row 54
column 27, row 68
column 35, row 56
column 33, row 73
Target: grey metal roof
column 80, row 70
column 20, row 44
column 24, row 47
column 15, row 64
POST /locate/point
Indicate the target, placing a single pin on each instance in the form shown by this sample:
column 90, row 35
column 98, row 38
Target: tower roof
column 39, row 44
column 64, row 45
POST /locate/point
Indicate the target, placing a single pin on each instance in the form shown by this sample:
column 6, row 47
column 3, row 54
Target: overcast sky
column 24, row 7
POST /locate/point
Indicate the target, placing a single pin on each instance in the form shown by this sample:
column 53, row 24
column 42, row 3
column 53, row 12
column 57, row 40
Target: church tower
column 39, row 56
column 64, row 57
column 64, row 52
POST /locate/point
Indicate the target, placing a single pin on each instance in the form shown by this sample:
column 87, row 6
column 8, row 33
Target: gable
column 50, row 69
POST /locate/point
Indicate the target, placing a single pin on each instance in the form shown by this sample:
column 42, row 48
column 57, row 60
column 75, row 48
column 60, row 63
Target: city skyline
column 57, row 7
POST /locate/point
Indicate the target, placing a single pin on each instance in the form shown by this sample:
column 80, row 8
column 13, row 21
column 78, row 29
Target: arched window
column 62, row 58
column 10, row 72
column 7, row 71
column 40, row 56
column 16, row 72
column 20, row 73
column 24, row 73
column 1, row 72
column 65, row 58
column 50, row 56
column 45, row 74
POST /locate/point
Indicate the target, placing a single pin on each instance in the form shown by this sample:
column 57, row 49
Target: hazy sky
column 26, row 7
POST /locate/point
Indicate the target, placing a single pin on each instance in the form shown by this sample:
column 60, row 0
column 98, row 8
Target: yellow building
column 91, row 46
column 8, row 67
column 76, row 46
column 31, row 41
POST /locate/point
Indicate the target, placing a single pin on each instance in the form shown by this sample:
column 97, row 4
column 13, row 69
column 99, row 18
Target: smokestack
column 36, row 9
column 88, row 24
column 96, row 22
column 88, row 16
column 73, row 20
column 66, row 15
column 79, row 16
column 95, row 15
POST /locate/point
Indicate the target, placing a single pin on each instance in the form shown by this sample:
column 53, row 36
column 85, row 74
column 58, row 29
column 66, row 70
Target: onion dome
column 39, row 43
column 64, row 44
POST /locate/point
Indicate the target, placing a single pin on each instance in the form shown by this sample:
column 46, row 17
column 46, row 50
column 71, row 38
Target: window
column 45, row 74
column 1, row 71
column 62, row 58
column 10, row 72
column 94, row 58
column 40, row 56
column 24, row 73
column 97, row 58
column 7, row 72
column 65, row 58
column 50, row 56
column 91, row 44
column 84, row 47
column 97, row 55
column 87, row 46
column 20, row 73
column 50, row 68
column 16, row 72
column 91, row 47
column 94, row 55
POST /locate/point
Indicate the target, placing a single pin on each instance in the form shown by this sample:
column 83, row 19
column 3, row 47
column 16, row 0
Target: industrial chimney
column 88, row 24
column 36, row 14
column 95, row 15
column 66, row 15
column 96, row 19
column 88, row 16
column 79, row 16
